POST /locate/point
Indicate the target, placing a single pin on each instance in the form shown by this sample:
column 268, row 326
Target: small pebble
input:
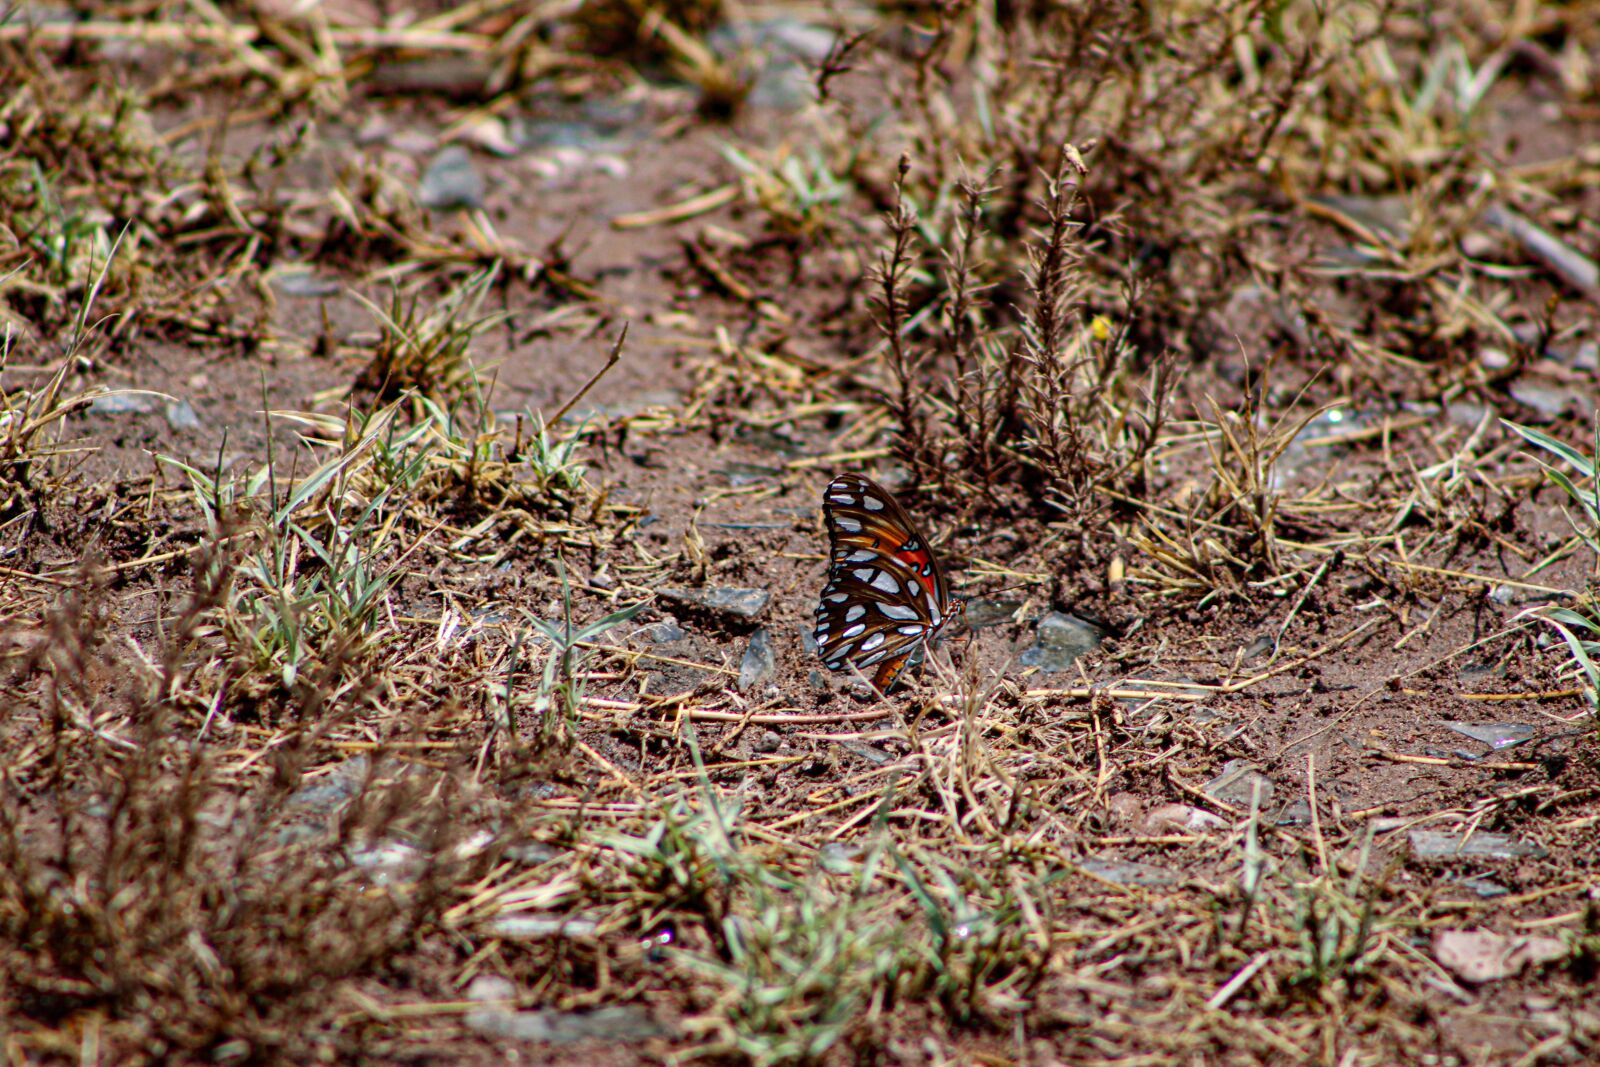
column 451, row 181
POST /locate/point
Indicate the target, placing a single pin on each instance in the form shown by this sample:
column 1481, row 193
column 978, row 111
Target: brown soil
column 1400, row 605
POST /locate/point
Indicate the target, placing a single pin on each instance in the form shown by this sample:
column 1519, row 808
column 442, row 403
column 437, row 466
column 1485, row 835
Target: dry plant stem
column 1049, row 390
column 983, row 409
column 904, row 397
column 611, row 361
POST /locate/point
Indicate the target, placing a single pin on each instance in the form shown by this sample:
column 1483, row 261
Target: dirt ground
column 416, row 421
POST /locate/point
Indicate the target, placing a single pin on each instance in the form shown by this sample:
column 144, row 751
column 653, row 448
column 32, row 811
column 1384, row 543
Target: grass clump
column 1578, row 624
column 424, row 345
column 1053, row 402
column 794, row 965
column 315, row 558
column 174, row 904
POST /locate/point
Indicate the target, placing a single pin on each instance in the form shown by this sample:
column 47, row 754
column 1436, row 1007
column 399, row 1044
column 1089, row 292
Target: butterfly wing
column 885, row 594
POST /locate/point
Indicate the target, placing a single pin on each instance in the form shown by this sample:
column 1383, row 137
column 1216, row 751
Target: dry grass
column 1159, row 312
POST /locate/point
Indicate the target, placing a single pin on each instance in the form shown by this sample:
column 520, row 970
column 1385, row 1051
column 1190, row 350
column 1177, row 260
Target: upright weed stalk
column 561, row 681
column 906, row 396
column 1046, row 396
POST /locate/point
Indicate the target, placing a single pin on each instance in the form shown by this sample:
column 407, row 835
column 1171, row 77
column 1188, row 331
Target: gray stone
column 533, row 853
column 1127, row 872
column 983, row 612
column 327, row 792
column 539, row 927
column 451, row 181
column 743, row 603
column 871, row 753
column 1061, row 639
column 615, row 1025
column 1295, row 813
column 742, row 474
column 181, row 416
column 1484, row 886
column 1238, row 784
column 1314, row 447
column 1435, row 845
column 1261, row 646
column 759, row 663
column 1550, row 400
column 662, row 633
column 303, row 283
column 390, row 862
column 1496, row 735
column 121, row 404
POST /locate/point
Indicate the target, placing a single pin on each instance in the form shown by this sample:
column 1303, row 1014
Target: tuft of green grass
column 561, row 685
column 424, row 347
column 801, row 189
column 1578, row 625
column 315, row 569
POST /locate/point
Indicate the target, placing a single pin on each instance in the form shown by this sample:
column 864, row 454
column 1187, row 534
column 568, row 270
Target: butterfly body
column 885, row 596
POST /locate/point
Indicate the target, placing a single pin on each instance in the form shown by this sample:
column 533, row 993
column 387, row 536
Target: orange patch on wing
column 921, row 561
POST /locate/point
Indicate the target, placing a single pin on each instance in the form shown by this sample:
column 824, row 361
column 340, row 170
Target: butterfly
column 885, row 596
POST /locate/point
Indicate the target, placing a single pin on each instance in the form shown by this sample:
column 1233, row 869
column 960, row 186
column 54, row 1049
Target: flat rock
column 540, row 927
column 303, row 282
column 1182, row 818
column 1484, row 956
column 1060, row 640
column 323, row 794
column 1549, row 399
column 871, row 753
column 983, row 612
column 759, row 664
column 1437, row 845
column 1496, row 735
column 1128, row 872
column 615, row 1025
column 451, row 181
column 121, row 404
column 662, row 633
column 1295, row 813
column 1238, row 784
column 730, row 600
column 181, row 416
column 742, row 474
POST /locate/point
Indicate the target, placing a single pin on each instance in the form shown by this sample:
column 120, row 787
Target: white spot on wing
column 861, row 555
column 865, row 574
column 885, row 581
column 872, row 503
column 872, row 642
column 855, row 612
column 855, row 631
column 848, row 525
column 910, row 631
column 898, row 611
column 933, row 610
